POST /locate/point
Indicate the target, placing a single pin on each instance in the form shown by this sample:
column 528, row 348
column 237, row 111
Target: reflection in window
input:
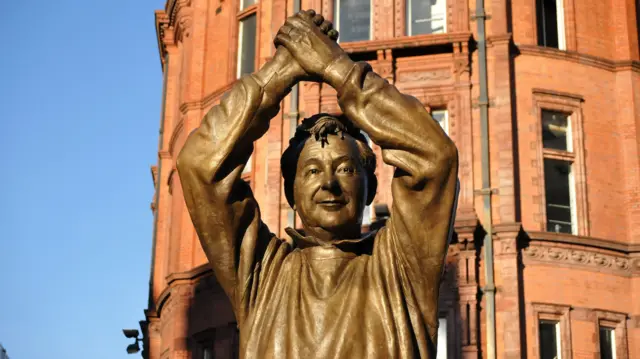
column 426, row 17
column 549, row 340
column 442, row 116
column 353, row 19
column 247, row 45
column 556, row 131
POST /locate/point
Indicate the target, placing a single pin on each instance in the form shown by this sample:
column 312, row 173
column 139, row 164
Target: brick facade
column 580, row 281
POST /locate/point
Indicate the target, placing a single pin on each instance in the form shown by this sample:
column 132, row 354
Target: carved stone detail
column 584, row 258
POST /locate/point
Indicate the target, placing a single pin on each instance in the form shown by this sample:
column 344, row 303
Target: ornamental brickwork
column 582, row 281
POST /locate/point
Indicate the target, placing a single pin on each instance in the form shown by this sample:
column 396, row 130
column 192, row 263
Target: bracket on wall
column 485, row 191
column 476, row 17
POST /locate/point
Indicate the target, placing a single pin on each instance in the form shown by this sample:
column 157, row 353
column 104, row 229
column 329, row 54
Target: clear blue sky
column 80, row 91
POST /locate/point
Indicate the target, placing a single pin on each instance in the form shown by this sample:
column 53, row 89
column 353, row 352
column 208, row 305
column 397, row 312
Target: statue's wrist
column 335, row 74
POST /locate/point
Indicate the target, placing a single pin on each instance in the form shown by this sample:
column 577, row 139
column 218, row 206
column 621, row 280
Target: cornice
column 583, row 241
column 404, row 42
column 167, row 19
column 177, row 281
column 579, row 58
column 581, row 258
column 162, row 23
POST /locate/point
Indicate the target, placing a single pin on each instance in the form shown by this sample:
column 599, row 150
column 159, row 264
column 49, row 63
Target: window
column 247, row 38
column 207, row 353
column 550, row 23
column 558, row 173
column 607, row 343
column 442, row 116
column 426, row 17
column 549, row 340
column 442, row 339
column 552, row 332
column 353, row 19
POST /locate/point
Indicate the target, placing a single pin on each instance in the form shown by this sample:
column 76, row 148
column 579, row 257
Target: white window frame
column 409, row 20
column 240, row 33
column 562, row 40
column 336, row 15
column 441, row 352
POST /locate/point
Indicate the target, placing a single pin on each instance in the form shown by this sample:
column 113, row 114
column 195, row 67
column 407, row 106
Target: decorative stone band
column 587, row 258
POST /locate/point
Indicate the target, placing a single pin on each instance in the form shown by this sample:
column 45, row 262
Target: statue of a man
column 328, row 292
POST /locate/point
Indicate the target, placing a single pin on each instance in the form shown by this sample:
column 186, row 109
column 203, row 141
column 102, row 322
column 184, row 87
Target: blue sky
column 80, row 90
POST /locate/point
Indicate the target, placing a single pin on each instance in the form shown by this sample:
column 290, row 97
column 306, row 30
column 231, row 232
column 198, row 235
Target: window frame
column 551, row 312
column 561, row 24
column 572, row 106
column 618, row 323
column 445, row 127
column 407, row 19
column 241, row 15
column 336, row 20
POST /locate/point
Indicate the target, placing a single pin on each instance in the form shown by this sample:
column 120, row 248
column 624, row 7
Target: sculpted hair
column 319, row 127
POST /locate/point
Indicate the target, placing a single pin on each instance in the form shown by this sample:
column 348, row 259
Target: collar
column 363, row 245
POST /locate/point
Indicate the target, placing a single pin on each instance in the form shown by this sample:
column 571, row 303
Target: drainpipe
column 293, row 120
column 150, row 303
column 483, row 102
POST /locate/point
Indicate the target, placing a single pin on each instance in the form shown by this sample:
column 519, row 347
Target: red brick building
column 560, row 181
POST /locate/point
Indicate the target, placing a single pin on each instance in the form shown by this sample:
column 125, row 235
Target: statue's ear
column 372, row 187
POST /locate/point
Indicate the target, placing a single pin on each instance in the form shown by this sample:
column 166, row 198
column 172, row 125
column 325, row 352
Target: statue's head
column 329, row 177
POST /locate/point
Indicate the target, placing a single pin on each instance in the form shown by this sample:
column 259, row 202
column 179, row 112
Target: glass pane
column 441, row 117
column 246, row 3
column 558, row 196
column 207, row 353
column 354, row 19
column 548, row 340
column 426, row 16
column 607, row 345
column 555, row 130
column 247, row 51
column 547, row 18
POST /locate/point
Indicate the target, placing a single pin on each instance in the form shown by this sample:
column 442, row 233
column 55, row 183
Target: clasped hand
column 311, row 42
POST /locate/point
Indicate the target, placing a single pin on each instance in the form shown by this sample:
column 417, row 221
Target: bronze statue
column 327, row 293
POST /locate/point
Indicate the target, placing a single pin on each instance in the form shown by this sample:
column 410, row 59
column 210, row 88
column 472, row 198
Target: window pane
column 547, row 17
column 426, row 16
column 353, row 19
column 442, row 117
column 207, row 353
column 558, row 196
column 549, row 348
column 247, row 51
column 555, row 130
column 607, row 343
column 246, row 3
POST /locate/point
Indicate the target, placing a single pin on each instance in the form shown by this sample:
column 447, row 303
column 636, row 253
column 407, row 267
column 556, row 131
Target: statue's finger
column 326, row 26
column 318, row 19
column 298, row 23
column 333, row 34
column 311, row 13
column 282, row 40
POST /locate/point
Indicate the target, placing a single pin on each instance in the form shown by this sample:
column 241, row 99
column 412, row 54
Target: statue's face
column 330, row 185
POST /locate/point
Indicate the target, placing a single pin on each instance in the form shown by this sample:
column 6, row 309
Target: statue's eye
column 314, row 171
column 348, row 169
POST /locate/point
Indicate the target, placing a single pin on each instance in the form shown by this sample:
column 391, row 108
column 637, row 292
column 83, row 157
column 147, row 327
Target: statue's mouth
column 332, row 203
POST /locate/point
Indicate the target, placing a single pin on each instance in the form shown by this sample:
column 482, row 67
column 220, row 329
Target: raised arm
column 222, row 207
column 426, row 162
